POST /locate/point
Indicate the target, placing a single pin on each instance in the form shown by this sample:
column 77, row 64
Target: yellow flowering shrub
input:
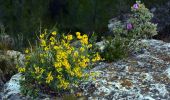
column 57, row 64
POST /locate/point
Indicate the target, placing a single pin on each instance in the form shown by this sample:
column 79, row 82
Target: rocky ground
column 143, row 76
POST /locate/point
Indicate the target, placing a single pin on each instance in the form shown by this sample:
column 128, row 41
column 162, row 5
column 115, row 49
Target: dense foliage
column 57, row 64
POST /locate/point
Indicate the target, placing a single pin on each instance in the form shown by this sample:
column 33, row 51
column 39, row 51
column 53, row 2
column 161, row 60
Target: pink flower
column 136, row 6
column 129, row 26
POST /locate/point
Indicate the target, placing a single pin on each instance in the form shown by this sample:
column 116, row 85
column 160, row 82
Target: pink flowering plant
column 126, row 34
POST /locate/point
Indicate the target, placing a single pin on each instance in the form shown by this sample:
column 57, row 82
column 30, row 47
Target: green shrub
column 114, row 49
column 56, row 65
column 126, row 34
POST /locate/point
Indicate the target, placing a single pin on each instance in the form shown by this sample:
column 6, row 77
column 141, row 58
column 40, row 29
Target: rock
column 8, row 61
column 17, row 56
column 7, row 68
column 167, row 72
column 139, row 77
column 12, row 88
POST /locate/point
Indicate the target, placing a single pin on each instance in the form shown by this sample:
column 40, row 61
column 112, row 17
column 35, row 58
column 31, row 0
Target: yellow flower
column 46, row 48
column 42, row 36
column 90, row 45
column 57, row 64
column 49, row 78
column 54, row 33
column 52, row 43
column 66, row 64
column 56, row 47
column 79, row 37
column 52, row 39
column 77, row 72
column 59, row 77
column 38, row 70
column 83, row 64
column 86, row 60
column 85, row 36
column 78, row 33
column 69, row 37
column 21, row 69
column 27, row 57
column 98, row 57
column 84, row 40
column 76, row 54
column 26, row 51
column 82, row 49
column 64, row 84
column 43, row 43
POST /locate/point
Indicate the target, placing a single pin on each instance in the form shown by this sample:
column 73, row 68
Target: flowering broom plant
column 57, row 65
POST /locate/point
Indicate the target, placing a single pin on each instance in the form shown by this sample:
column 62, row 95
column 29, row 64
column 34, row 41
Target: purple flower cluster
column 136, row 6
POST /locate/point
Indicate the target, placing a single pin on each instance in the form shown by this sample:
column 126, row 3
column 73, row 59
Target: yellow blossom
column 49, row 78
column 78, row 33
column 52, row 43
column 27, row 57
column 52, row 39
column 76, row 54
column 46, row 48
column 43, row 43
column 57, row 64
column 21, row 69
column 69, row 37
column 83, row 64
column 82, row 49
column 54, row 33
column 66, row 64
column 63, row 84
column 26, row 51
column 38, row 70
column 42, row 36
column 56, row 47
column 79, row 37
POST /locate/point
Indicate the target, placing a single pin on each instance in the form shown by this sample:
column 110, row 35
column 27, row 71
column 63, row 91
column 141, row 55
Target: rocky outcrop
column 142, row 76
column 12, row 88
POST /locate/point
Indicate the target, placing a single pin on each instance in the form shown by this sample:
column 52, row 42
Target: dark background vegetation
column 28, row 17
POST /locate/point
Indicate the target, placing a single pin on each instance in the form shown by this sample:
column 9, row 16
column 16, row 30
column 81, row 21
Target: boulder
column 11, row 89
column 8, row 61
column 7, row 68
